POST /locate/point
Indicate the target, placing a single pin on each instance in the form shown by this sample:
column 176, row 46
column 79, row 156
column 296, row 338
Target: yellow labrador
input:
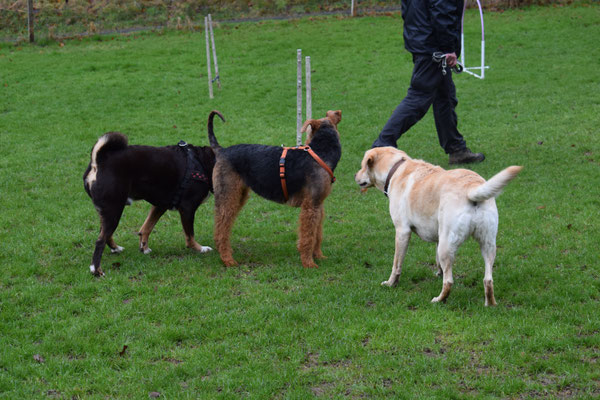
column 440, row 206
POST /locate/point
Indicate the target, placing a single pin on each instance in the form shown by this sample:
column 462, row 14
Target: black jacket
column 432, row 25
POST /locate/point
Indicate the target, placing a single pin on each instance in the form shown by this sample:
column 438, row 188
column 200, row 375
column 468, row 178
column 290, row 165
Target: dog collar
column 389, row 177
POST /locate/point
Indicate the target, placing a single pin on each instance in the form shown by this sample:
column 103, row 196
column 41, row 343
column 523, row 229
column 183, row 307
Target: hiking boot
column 465, row 156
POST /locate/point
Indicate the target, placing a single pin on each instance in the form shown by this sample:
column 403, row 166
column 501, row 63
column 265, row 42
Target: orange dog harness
column 313, row 155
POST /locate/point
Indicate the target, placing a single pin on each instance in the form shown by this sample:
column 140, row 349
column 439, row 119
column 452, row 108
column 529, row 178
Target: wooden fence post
column 30, row 20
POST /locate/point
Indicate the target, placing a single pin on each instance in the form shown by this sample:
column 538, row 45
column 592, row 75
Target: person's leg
column 446, row 123
column 425, row 79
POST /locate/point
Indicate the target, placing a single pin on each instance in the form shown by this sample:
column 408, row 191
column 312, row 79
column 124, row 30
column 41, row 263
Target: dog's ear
column 314, row 126
column 334, row 116
column 370, row 161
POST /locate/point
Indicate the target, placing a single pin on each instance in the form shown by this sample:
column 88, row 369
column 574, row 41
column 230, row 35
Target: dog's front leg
column 402, row 239
column 151, row 220
column 307, row 235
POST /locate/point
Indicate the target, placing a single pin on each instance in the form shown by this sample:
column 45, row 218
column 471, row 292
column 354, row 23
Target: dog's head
column 311, row 126
column 376, row 165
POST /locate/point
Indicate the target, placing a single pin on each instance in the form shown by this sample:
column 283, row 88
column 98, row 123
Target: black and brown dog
column 304, row 182
column 171, row 177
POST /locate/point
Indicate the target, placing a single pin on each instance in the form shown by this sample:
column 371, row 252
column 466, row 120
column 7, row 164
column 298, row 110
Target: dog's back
column 433, row 182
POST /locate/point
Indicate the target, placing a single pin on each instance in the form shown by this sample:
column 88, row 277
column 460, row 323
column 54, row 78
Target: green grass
column 269, row 328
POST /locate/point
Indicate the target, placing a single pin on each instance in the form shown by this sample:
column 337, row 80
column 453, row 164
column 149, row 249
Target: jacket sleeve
column 446, row 18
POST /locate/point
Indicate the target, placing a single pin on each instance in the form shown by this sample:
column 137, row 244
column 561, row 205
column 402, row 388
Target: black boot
column 465, row 156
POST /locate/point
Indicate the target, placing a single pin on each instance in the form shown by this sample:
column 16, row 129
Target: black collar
column 390, row 174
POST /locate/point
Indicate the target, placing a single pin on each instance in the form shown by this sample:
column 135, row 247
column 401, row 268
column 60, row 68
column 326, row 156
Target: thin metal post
column 210, row 88
column 214, row 51
column 299, row 98
column 308, row 90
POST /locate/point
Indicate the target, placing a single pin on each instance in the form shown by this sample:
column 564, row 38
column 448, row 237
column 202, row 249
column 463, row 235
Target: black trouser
column 427, row 86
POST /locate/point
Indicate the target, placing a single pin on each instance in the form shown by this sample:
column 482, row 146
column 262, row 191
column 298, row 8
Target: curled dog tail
column 211, row 132
column 494, row 186
column 109, row 142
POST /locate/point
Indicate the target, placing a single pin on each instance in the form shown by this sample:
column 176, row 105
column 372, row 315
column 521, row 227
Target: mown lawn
column 269, row 328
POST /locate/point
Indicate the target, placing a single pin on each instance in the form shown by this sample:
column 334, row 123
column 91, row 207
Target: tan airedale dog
column 301, row 177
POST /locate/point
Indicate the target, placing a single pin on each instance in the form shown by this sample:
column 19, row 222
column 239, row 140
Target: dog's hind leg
column 309, row 230
column 485, row 235
column 114, row 248
column 307, row 235
column 445, row 255
column 488, row 251
column 149, row 224
column 187, row 221
column 109, row 222
column 402, row 240
column 230, row 197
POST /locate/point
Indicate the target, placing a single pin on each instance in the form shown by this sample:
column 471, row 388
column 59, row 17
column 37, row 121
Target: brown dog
column 306, row 183
column 440, row 206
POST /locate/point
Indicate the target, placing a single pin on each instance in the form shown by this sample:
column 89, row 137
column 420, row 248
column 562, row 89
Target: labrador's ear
column 335, row 117
column 370, row 162
column 314, row 125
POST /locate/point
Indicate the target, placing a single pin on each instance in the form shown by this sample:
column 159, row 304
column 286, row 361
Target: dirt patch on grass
column 321, row 389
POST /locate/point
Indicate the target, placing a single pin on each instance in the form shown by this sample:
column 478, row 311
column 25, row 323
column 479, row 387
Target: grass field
column 269, row 328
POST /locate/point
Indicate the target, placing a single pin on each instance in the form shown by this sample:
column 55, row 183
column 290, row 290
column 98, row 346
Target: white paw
column 117, row 249
column 147, row 250
column 205, row 249
column 93, row 271
column 435, row 300
column 387, row 283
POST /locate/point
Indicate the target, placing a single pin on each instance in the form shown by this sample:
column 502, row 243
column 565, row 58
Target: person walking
column 432, row 31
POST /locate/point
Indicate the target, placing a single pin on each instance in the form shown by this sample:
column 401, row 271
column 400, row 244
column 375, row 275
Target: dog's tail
column 494, row 186
column 211, row 132
column 107, row 143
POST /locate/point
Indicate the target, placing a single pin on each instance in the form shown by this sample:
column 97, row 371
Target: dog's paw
column 146, row 250
column 388, row 284
column 438, row 300
column 117, row 249
column 205, row 249
column 97, row 272
column 490, row 303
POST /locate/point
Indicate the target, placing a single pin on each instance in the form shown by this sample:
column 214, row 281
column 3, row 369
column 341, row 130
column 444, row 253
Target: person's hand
column 451, row 59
